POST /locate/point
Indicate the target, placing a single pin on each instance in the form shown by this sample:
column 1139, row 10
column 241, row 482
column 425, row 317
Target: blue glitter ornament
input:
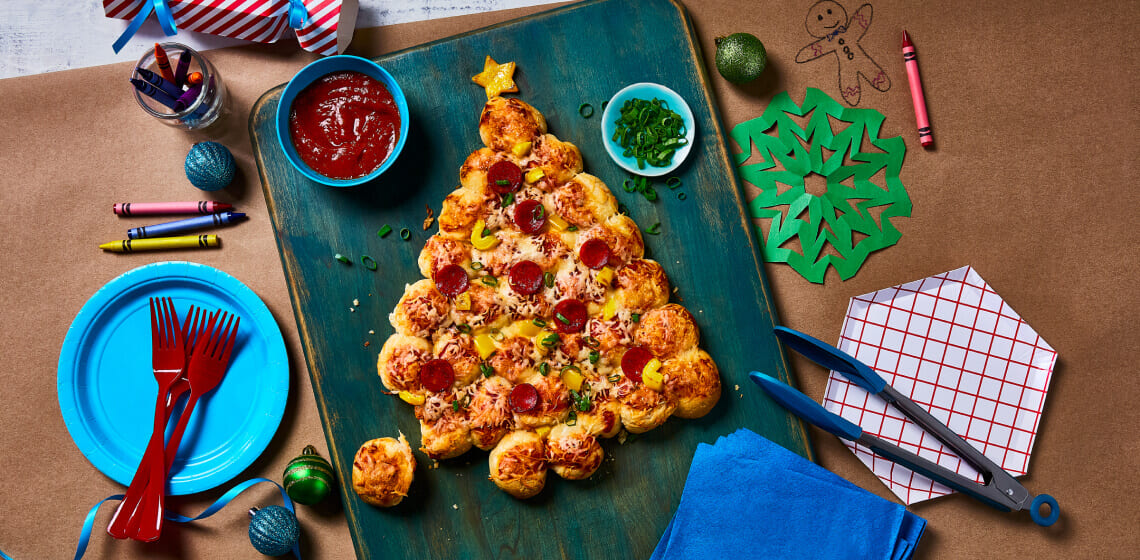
column 210, row 166
column 273, row 530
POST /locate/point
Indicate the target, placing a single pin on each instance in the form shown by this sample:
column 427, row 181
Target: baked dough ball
column 420, row 311
column 400, row 361
column 485, row 311
column 584, row 201
column 489, row 414
column 544, row 249
column 473, row 172
column 382, row 471
column 518, row 464
column 620, row 234
column 553, row 403
column 559, row 161
column 642, row 285
column 444, row 432
column 603, row 419
column 644, row 409
column 574, row 281
column 667, row 330
column 507, row 121
column 459, row 350
column 441, row 251
column 613, row 335
column 693, row 382
column 514, row 359
column 461, row 209
column 572, row 452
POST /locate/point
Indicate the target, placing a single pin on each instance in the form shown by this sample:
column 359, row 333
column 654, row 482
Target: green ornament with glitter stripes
column 308, row 477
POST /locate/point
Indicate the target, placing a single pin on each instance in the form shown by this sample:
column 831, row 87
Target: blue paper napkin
column 747, row 497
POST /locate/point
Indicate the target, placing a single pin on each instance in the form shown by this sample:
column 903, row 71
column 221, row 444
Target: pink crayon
column 152, row 208
column 910, row 58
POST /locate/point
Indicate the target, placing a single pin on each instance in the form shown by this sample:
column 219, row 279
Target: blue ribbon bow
column 298, row 15
column 165, row 19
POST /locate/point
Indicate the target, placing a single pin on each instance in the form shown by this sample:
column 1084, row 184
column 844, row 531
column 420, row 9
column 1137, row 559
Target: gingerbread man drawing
column 837, row 35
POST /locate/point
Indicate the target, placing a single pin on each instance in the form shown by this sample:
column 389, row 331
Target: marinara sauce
column 344, row 125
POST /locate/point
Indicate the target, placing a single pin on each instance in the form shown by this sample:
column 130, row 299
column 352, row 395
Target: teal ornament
column 308, row 478
column 273, row 530
column 210, row 166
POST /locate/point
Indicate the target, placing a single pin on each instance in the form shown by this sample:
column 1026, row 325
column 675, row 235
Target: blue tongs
column 1000, row 490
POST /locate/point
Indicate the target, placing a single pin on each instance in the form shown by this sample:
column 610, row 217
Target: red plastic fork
column 168, row 358
column 207, row 367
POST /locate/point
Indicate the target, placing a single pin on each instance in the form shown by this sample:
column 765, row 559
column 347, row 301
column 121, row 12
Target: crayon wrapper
column 327, row 30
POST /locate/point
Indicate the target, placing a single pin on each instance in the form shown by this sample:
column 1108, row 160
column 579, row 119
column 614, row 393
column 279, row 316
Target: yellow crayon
column 162, row 243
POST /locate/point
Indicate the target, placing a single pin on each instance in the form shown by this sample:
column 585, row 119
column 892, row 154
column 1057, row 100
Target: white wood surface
column 38, row 36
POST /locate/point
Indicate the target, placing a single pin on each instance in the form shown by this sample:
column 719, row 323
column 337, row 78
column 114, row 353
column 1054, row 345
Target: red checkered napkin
column 952, row 345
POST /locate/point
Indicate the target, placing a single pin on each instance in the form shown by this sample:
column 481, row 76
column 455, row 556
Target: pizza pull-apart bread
column 518, row 464
column 539, row 327
column 382, row 471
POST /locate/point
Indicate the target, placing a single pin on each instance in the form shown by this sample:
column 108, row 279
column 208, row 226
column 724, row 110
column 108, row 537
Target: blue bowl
column 647, row 91
column 310, row 74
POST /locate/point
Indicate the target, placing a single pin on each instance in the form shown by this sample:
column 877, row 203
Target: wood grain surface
column 706, row 248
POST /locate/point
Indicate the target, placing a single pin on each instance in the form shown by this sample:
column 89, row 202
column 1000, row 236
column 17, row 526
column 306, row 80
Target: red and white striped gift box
column 327, row 31
column 955, row 347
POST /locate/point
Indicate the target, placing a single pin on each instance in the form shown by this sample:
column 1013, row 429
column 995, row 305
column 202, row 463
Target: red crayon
column 163, row 63
column 925, row 134
column 151, row 208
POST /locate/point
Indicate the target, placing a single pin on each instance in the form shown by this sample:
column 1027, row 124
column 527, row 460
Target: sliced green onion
column 673, row 182
column 464, row 328
column 342, row 258
column 682, row 196
column 572, row 368
column 562, row 318
column 384, row 231
column 636, row 317
column 538, row 322
column 543, row 369
column 586, row 110
column 455, row 405
column 548, row 279
column 405, row 234
column 604, row 103
column 508, row 199
column 476, row 265
column 465, row 401
column 628, row 185
column 486, row 232
column 572, row 418
column 497, row 335
column 487, row 370
column 550, row 341
column 502, row 182
column 540, row 212
column 368, row 262
column 594, row 357
column 613, row 377
column 572, row 228
column 489, row 281
column 654, row 229
column 592, row 342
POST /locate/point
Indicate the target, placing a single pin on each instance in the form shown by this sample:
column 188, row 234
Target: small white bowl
column 647, row 91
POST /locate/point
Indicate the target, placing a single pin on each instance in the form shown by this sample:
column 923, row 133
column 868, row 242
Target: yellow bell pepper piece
column 572, row 379
column 609, row 309
column 542, row 431
column 479, row 241
column 412, row 399
column 651, row 375
column 521, row 149
column 528, row 329
column 557, row 221
column 606, row 276
column 463, row 301
column 535, row 175
column 485, row 345
column 538, row 338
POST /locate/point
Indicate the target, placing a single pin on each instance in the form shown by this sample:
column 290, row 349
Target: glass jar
column 188, row 111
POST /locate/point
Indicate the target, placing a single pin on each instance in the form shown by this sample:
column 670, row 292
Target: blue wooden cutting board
column 572, row 55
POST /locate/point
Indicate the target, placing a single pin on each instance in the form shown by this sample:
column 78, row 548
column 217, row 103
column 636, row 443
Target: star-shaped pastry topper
column 496, row 78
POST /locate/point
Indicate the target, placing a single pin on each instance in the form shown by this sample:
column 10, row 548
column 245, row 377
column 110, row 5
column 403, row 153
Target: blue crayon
column 154, row 93
column 179, row 226
column 156, row 80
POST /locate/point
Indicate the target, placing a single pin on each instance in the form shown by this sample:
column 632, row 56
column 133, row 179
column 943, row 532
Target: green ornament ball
column 308, row 477
column 740, row 57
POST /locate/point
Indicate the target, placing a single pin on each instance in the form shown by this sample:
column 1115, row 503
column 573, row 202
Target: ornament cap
column 309, row 450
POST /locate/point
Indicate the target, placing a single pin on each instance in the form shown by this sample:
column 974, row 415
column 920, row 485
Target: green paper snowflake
column 836, row 216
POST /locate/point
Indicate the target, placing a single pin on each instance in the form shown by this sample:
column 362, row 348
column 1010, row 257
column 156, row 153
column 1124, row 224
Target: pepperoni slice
column 594, row 253
column 437, row 375
column 530, row 216
column 574, row 313
column 451, row 280
column 633, row 362
column 523, row 398
column 526, row 277
column 504, row 171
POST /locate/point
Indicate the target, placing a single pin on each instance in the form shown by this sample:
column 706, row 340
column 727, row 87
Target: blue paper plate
column 107, row 389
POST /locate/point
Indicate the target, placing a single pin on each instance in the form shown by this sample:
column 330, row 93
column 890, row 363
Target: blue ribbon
column 165, row 19
column 89, row 522
column 298, row 15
